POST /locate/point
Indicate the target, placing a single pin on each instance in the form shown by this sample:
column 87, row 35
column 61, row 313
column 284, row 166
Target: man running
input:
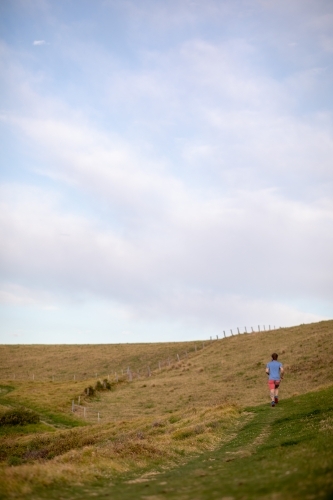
column 274, row 370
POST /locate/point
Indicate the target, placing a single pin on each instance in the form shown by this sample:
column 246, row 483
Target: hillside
column 226, row 370
column 186, row 407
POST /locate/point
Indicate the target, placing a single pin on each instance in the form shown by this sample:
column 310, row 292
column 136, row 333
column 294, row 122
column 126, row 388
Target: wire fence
column 122, row 374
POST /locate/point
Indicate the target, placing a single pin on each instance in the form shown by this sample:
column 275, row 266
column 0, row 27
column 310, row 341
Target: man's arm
column 267, row 370
column 281, row 371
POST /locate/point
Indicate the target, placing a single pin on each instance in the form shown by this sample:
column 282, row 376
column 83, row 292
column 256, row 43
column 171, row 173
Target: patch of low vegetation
column 19, row 416
column 100, row 386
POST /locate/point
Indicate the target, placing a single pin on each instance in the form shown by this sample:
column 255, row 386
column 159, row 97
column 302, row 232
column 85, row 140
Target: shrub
column 89, row 391
column 105, row 385
column 19, row 416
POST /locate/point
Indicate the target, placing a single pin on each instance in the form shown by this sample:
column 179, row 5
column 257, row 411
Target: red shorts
column 274, row 384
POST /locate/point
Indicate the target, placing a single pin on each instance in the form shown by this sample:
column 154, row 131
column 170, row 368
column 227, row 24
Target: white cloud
column 191, row 176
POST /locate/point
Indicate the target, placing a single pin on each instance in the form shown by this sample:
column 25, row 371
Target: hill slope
column 194, row 405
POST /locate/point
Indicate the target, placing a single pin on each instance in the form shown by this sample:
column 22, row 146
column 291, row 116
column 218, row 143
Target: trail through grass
column 282, row 452
column 279, row 453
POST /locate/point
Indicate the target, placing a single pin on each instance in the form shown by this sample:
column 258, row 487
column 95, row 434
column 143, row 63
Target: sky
column 166, row 168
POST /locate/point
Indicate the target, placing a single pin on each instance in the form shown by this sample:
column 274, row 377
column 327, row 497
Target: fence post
column 224, row 333
column 252, row 328
column 159, row 365
column 258, row 328
column 217, row 337
column 232, row 333
column 79, row 399
column 245, row 330
column 264, row 328
column 84, row 412
column 177, row 356
column 74, row 377
column 269, row 327
column 238, row 330
column 73, row 406
column 98, row 417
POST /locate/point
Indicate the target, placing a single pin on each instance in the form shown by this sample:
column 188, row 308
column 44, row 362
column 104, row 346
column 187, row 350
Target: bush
column 89, row 391
column 19, row 416
column 105, row 385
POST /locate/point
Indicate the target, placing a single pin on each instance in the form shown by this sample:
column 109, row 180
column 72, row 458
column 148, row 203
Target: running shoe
column 273, row 403
column 276, row 400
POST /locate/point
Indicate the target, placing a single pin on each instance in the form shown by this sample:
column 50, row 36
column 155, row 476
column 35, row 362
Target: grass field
column 199, row 428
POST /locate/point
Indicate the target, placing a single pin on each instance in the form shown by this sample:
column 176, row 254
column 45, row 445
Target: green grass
column 279, row 453
column 53, row 418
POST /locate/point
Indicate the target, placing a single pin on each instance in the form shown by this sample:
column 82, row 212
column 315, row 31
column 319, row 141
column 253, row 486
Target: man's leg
column 271, row 384
column 276, row 392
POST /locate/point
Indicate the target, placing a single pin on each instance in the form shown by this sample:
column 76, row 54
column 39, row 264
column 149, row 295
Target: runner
column 274, row 370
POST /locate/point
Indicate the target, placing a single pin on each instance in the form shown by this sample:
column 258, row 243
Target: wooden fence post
column 232, row 333
column 98, row 417
column 177, row 356
column 224, row 333
column 73, row 406
column 238, row 330
column 84, row 412
column 258, row 328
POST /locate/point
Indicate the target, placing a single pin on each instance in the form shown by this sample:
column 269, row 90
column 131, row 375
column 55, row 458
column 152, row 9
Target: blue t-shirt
column 274, row 370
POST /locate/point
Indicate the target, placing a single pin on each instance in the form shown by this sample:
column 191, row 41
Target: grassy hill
column 187, row 407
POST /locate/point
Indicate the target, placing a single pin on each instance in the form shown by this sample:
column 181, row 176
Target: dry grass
column 83, row 361
column 182, row 409
column 229, row 371
column 84, row 454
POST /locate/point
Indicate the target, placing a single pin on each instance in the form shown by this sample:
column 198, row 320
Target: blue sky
column 166, row 168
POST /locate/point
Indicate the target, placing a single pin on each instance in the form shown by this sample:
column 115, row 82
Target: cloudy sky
column 166, row 168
